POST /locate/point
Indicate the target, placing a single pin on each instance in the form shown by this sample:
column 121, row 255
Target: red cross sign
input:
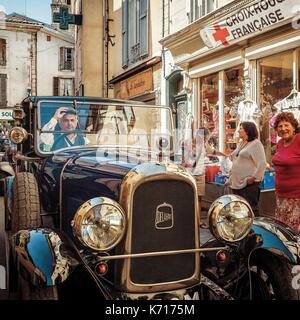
column 221, row 34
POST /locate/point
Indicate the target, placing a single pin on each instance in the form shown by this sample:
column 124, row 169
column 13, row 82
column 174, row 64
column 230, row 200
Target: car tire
column 26, row 202
column 276, row 272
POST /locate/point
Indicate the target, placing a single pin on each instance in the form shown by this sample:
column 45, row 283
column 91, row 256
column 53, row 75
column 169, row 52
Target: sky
column 36, row 9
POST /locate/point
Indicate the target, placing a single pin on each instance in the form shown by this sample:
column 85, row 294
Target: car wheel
column 276, row 274
column 26, row 202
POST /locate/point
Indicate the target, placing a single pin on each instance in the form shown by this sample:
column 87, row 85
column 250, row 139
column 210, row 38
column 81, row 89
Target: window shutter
column 55, row 86
column 204, row 9
column 2, row 52
column 3, row 98
column 189, row 10
column 124, row 33
column 61, row 58
column 143, row 27
column 73, row 59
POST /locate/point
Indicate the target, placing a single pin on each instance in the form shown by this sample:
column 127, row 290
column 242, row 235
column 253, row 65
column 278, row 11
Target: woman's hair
column 251, row 130
column 288, row 117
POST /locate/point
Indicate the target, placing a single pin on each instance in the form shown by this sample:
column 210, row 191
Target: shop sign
column 248, row 21
column 136, row 84
column 6, row 114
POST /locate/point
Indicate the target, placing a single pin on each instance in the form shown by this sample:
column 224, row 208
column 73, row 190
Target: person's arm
column 211, row 152
column 48, row 138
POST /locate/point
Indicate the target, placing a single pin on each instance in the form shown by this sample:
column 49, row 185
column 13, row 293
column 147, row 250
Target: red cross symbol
column 221, row 34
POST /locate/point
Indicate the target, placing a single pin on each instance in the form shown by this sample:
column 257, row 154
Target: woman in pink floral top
column 287, row 166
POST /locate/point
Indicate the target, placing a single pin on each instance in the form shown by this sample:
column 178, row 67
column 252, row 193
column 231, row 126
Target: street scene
column 150, row 150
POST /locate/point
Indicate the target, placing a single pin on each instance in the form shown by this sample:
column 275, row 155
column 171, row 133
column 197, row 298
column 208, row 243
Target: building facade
column 90, row 64
column 35, row 60
column 118, row 51
column 242, row 54
column 137, row 27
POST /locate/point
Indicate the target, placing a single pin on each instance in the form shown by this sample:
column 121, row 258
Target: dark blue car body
column 51, row 255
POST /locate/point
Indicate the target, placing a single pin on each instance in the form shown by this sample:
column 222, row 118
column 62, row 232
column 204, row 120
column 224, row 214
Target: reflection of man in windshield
column 64, row 119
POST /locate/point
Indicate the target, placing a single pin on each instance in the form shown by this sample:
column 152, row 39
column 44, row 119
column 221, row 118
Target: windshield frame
column 134, row 104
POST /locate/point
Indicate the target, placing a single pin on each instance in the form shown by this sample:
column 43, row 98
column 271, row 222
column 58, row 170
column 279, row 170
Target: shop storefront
column 139, row 84
column 245, row 68
column 6, row 119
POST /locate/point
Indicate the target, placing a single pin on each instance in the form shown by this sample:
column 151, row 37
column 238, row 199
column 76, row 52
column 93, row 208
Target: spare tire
column 26, row 202
column 276, row 272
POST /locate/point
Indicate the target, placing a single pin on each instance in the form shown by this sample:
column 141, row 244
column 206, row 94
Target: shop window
column 209, row 100
column 2, row 52
column 200, row 8
column 234, row 94
column 134, row 31
column 276, row 82
column 66, row 59
column 63, row 86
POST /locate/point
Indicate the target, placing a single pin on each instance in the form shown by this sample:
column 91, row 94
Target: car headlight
column 17, row 135
column 230, row 218
column 99, row 224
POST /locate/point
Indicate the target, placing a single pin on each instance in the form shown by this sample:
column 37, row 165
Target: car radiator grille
column 163, row 218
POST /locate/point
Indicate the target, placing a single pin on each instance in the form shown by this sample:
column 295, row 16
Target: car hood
column 87, row 172
column 80, row 175
column 105, row 160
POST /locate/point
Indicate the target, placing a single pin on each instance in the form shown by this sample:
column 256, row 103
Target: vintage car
column 100, row 205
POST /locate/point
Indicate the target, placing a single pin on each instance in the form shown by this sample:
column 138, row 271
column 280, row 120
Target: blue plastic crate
column 220, row 179
column 269, row 180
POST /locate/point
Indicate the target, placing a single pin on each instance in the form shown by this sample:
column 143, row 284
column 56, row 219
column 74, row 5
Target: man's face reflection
column 68, row 122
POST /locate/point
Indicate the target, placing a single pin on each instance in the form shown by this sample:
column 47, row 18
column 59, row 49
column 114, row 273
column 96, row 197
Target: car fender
column 277, row 238
column 43, row 257
column 4, row 260
column 6, row 167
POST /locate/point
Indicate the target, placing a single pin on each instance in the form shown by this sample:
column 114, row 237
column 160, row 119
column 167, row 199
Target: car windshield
column 62, row 125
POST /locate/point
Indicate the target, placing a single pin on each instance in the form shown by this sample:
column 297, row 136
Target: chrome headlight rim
column 20, row 131
column 90, row 205
column 215, row 211
column 18, row 113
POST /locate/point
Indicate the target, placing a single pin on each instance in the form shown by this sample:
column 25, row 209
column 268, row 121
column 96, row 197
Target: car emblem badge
column 164, row 217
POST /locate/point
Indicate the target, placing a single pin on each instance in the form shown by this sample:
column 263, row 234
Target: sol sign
column 6, row 114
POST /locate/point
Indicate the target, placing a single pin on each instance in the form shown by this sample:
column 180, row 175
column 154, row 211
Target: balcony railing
column 67, row 65
column 135, row 53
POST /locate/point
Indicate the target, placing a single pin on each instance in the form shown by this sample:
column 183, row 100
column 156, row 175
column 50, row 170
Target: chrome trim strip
column 159, row 253
column 60, row 189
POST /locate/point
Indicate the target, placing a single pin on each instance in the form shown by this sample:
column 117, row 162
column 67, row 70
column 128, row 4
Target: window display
column 234, row 93
column 209, row 100
column 276, row 82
